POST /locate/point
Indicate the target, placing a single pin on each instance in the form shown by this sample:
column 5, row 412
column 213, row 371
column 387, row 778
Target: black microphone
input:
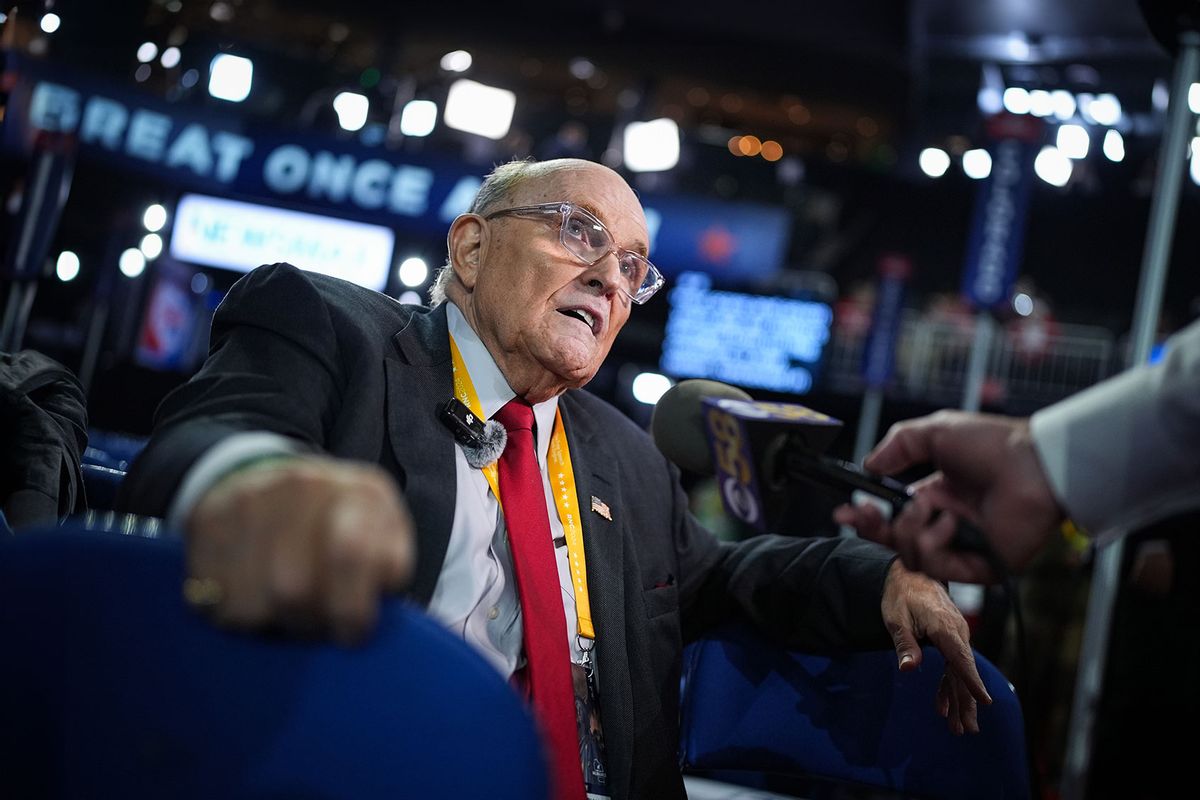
column 757, row 449
column 482, row 441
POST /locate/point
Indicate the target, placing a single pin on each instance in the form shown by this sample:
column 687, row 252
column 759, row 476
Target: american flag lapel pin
column 601, row 508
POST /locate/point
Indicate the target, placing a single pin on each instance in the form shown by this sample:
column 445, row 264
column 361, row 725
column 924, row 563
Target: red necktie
column 548, row 670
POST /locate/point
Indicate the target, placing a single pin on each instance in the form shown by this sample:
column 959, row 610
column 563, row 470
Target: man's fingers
column 906, row 444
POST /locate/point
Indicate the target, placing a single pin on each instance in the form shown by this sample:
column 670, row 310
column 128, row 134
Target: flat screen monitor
column 760, row 341
column 229, row 234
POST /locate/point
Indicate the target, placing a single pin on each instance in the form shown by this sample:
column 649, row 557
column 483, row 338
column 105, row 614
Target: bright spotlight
column 132, row 263
column 1064, row 104
column 1195, row 168
column 1194, row 98
column 151, row 246
column 1023, row 304
column 67, row 266
column 1052, row 166
column 476, row 108
column 1106, row 109
column 977, row 163
column 651, row 146
column 413, row 271
column 1041, row 103
column 146, row 52
column 410, row 297
column 1016, row 100
column 171, row 57
column 648, row 387
column 154, row 218
column 351, row 109
column 50, row 22
column 1114, row 146
column 989, row 101
column 456, row 61
column 230, row 77
column 934, row 162
column 418, row 117
column 1073, row 141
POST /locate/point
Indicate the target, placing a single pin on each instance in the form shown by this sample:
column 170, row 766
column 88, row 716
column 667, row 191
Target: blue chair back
column 111, row 687
column 752, row 707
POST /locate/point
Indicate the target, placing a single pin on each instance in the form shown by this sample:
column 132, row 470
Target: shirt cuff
column 217, row 462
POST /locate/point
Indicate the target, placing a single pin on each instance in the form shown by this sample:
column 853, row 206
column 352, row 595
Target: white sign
column 241, row 236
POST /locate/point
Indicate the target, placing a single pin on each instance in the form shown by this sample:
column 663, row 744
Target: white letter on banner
column 54, row 108
column 147, row 135
column 370, row 183
column 459, row 199
column 331, row 176
column 190, row 149
column 231, row 150
column 103, row 121
column 410, row 191
column 286, row 168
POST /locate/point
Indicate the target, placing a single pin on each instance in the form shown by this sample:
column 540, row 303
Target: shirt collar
column 491, row 388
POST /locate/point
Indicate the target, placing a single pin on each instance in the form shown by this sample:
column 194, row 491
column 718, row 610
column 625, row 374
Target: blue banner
column 879, row 351
column 1001, row 209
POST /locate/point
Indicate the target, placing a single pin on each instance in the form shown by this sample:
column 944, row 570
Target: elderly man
column 310, row 466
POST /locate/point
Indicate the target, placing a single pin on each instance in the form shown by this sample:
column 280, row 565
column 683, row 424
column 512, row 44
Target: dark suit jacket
column 355, row 374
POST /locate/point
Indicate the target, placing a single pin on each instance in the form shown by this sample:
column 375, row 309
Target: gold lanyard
column 566, row 497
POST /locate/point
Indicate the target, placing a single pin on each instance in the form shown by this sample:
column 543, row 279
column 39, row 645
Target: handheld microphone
column 482, row 442
column 757, row 449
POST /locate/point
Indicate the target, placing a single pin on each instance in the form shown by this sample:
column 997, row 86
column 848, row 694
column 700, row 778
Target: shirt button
column 493, row 612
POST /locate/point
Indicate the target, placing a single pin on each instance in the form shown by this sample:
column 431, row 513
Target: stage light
column 146, row 52
column 171, row 57
column 934, row 162
column 1073, row 141
column 648, row 387
column 1114, row 146
column 351, row 109
column 418, row 118
column 1064, row 104
column 1194, row 98
column 50, row 22
column 1016, row 100
column 132, row 263
column 413, row 271
column 1052, row 166
column 1023, row 304
column 977, row 163
column 651, row 146
column 230, row 77
column 1106, row 109
column 1041, row 103
column 67, row 266
column 473, row 107
column 151, row 246
column 456, row 61
column 154, row 218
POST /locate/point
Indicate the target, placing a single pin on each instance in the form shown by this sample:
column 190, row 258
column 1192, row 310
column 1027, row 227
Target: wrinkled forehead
column 599, row 190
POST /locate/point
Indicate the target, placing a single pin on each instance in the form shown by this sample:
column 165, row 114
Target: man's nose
column 606, row 274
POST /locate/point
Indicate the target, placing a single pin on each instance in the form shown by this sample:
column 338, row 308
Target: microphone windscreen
column 677, row 424
column 487, row 449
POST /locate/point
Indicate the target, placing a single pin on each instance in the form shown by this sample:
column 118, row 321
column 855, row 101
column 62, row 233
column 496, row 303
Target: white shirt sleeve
column 1127, row 451
column 217, row 461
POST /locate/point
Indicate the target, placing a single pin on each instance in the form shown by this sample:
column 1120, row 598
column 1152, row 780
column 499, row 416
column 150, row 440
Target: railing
column 1028, row 366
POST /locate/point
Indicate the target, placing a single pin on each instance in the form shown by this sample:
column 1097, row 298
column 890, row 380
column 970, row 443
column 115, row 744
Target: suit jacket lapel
column 604, row 546
column 419, row 379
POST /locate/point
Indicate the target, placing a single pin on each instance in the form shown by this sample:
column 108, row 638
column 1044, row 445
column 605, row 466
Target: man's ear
column 466, row 243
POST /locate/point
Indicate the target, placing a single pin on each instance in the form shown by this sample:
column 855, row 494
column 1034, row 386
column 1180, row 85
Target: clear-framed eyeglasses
column 586, row 238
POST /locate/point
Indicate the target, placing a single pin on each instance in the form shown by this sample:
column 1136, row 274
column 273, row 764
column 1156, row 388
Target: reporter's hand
column 307, row 544
column 988, row 472
column 917, row 607
column 921, row 535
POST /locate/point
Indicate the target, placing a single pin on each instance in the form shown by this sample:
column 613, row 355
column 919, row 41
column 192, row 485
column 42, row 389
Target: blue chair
column 750, row 707
column 111, row 687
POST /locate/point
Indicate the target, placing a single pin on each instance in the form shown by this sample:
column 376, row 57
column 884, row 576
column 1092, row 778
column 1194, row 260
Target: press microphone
column 758, row 449
column 482, row 441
